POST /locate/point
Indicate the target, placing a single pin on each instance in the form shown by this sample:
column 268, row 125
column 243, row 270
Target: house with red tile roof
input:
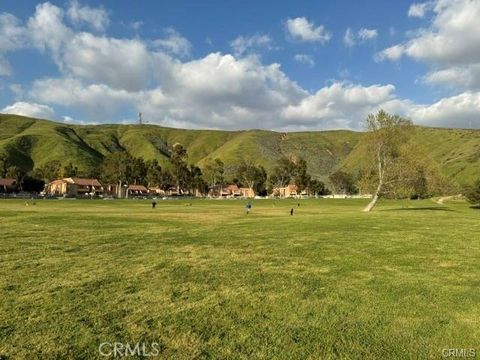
column 288, row 191
column 136, row 191
column 74, row 187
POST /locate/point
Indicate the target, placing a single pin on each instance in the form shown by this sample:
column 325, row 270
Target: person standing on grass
column 154, row 204
column 248, row 207
column 291, row 212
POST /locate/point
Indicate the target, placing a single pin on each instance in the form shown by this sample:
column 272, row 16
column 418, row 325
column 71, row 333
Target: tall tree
column 472, row 193
column 32, row 184
column 301, row 178
column 51, row 170
column 252, row 176
column 138, row 171
column 4, row 163
column 342, row 183
column 14, row 172
column 196, row 182
column 70, row 170
column 153, row 173
column 317, row 187
column 117, row 169
column 387, row 135
column 166, row 181
column 282, row 173
column 180, row 171
column 214, row 171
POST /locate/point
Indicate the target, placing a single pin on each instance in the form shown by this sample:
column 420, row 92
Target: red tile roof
column 56, row 182
column 7, row 182
column 231, row 187
column 137, row 188
column 84, row 182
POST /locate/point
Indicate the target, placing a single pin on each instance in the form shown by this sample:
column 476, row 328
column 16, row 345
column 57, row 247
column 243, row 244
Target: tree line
column 393, row 166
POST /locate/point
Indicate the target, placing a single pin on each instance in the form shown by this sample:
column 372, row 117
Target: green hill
column 30, row 143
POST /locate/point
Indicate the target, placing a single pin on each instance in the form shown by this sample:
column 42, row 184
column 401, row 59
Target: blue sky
column 241, row 64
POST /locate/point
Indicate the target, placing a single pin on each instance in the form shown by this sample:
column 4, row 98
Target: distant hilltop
column 29, row 143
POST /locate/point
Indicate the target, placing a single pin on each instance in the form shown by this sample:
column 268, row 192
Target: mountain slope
column 30, row 143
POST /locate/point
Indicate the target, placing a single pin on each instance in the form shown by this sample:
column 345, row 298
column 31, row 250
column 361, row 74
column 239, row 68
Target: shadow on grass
column 433, row 208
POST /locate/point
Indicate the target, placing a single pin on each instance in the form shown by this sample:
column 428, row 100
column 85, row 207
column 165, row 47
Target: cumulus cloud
column 12, row 37
column 456, row 111
column 301, row 29
column 222, row 91
column 104, row 78
column 12, row 33
column 98, row 101
column 30, row 109
column 242, row 44
column 451, row 44
column 119, row 63
column 96, row 18
column 48, row 31
column 462, row 77
column 340, row 105
column 393, row 53
column 174, row 43
column 305, row 59
column 419, row 9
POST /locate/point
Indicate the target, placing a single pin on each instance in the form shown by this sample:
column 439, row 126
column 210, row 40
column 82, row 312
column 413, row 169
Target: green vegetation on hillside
column 30, row 143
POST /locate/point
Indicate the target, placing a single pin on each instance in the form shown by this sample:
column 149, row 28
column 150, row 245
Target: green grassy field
column 208, row 282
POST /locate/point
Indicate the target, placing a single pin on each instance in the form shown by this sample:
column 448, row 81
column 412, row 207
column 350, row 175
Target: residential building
column 74, row 187
column 8, row 185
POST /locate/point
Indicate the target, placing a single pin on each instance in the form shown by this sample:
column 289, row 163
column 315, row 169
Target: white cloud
column 419, row 9
column 242, row 44
column 451, row 45
column 96, row 18
column 340, row 105
column 98, row 101
column 363, row 35
column 302, row 30
column 174, row 43
column 463, row 77
column 349, row 38
column 30, row 109
column 457, row 111
column 47, row 29
column 119, row 63
column 305, row 59
column 393, row 53
column 103, row 78
column 12, row 33
column 12, row 37
column 367, row 34
column 221, row 91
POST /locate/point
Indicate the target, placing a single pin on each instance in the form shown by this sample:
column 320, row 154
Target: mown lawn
column 208, row 282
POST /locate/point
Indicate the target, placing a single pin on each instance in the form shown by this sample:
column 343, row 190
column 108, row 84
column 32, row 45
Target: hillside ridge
column 29, row 143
